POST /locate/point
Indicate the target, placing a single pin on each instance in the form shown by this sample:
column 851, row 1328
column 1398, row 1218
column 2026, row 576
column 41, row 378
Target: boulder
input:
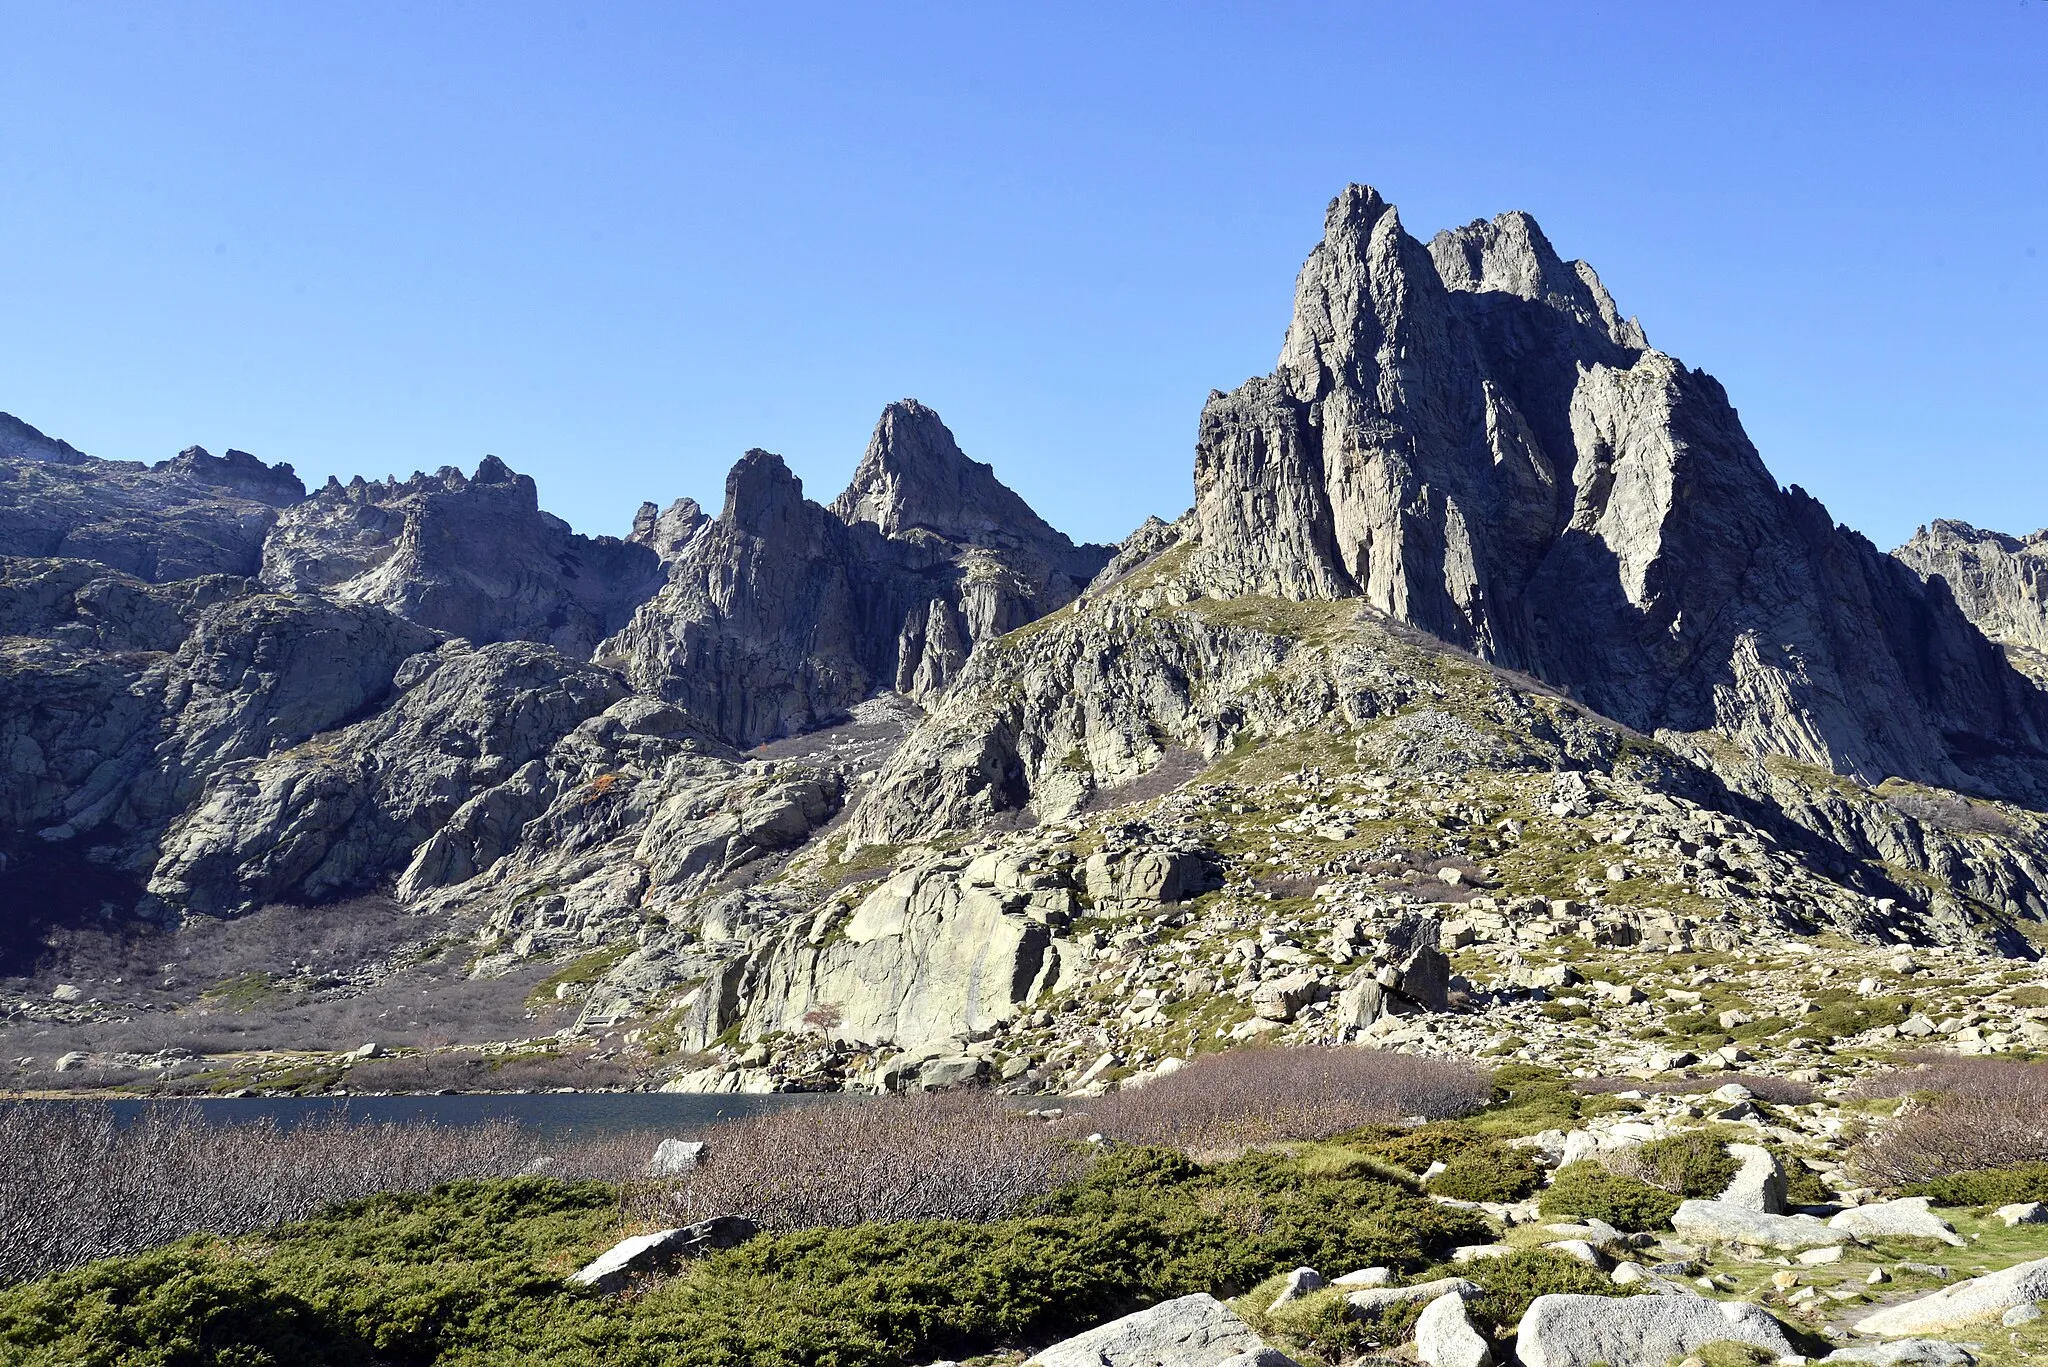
column 1282, row 998
column 1712, row 1222
column 2023, row 1213
column 1580, row 1250
column 956, row 1070
column 1371, row 1304
column 1638, row 1331
column 1975, row 1301
column 650, row 1254
column 1366, row 1276
column 1193, row 1331
column 674, row 1157
column 1446, row 1337
column 1300, row 1282
column 1906, row 1218
column 1260, row 1357
column 1759, row 1181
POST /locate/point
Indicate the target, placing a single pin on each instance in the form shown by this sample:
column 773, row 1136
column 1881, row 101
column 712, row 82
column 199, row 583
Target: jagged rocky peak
column 915, row 477
column 278, row 485
column 1511, row 255
column 20, row 441
column 473, row 556
column 667, row 531
column 1999, row 581
column 1468, row 437
column 780, row 614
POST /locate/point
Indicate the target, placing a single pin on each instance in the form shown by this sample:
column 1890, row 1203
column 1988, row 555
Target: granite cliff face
column 1467, row 436
column 2000, row 582
column 222, row 693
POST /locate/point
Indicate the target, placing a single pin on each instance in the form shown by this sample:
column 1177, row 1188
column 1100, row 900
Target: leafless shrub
column 1964, row 1115
column 1233, row 1100
column 1775, row 1091
column 954, row 1156
column 78, row 1186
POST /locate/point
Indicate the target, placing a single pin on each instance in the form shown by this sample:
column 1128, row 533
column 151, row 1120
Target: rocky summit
column 1491, row 699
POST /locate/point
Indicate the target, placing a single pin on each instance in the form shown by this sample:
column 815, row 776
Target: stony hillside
column 1491, row 699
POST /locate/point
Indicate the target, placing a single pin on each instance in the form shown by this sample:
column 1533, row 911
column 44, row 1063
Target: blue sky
column 618, row 245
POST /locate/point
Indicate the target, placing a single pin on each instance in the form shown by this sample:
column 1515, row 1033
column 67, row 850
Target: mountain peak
column 915, row 476
column 24, row 442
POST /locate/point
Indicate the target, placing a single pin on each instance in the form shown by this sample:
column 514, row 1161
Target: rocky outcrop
column 932, row 954
column 474, row 557
column 331, row 814
column 781, row 614
column 2000, row 582
column 1468, row 437
column 197, row 514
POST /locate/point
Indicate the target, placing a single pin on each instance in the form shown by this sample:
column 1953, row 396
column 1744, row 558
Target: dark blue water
column 553, row 1114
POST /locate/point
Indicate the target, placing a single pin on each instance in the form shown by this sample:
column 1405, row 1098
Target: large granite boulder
column 1193, row 1331
column 1638, row 1331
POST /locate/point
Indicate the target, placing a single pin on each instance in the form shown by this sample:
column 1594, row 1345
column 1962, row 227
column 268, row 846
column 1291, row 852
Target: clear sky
column 616, row 245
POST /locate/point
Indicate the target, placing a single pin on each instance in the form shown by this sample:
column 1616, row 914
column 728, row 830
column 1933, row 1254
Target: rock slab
column 1715, row 1222
column 1975, row 1301
column 1638, row 1331
column 649, row 1254
column 1905, row 1218
column 1193, row 1331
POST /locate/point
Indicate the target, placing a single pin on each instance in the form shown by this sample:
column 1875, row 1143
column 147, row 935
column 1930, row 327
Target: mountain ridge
column 1489, row 655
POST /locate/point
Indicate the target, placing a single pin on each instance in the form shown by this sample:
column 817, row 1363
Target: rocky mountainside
column 473, row 557
column 1490, row 684
column 780, row 614
column 1465, row 435
column 2000, row 582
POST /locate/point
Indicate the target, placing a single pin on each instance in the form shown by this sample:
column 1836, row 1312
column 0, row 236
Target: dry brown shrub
column 953, row 1156
column 1963, row 1115
column 1233, row 1100
column 75, row 1185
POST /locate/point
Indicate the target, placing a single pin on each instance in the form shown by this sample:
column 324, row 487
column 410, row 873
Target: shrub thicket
column 950, row 1156
column 1492, row 1172
column 1586, row 1188
column 1508, row 1284
column 1992, row 1187
column 1230, row 1101
column 78, row 1186
column 1693, row 1164
column 1963, row 1115
column 474, row 1271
